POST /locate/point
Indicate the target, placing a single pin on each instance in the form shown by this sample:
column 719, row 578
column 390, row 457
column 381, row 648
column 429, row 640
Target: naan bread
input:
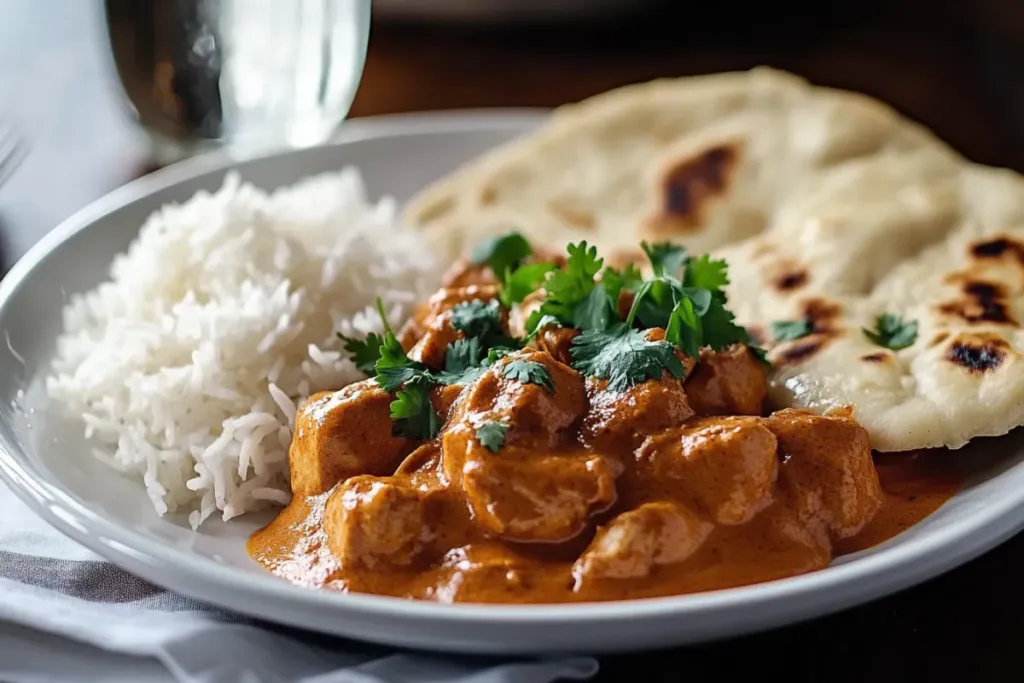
column 826, row 204
column 706, row 161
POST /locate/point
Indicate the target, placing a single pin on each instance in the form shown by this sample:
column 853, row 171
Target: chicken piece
column 557, row 341
column 633, row 543
column 618, row 421
column 725, row 467
column 444, row 397
column 536, row 415
column 376, row 522
column 424, row 459
column 340, row 434
column 827, row 473
column 476, row 572
column 433, row 331
column 553, row 339
column 519, row 315
column 533, row 497
column 729, row 382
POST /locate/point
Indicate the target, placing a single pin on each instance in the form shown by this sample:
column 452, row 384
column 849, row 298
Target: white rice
column 188, row 364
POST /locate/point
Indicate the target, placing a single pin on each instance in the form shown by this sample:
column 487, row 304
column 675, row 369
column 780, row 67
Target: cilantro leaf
column 496, row 352
column 720, row 328
column 501, row 253
column 528, row 372
column 685, row 329
column 483, row 320
column 395, row 368
column 892, row 332
column 666, row 258
column 476, row 318
column 623, row 357
column 569, row 286
column 463, row 362
column 595, row 312
column 655, row 309
column 760, row 354
column 412, row 413
column 615, row 281
column 788, row 330
column 536, row 322
column 523, row 281
column 491, row 435
column 705, row 273
column 364, row 352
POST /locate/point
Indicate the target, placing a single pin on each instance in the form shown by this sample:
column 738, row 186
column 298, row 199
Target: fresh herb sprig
column 491, row 435
column 623, row 355
column 790, row 330
column 892, row 332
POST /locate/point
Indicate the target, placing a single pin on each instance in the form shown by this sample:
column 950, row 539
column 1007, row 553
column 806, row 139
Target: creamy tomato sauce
column 294, row 547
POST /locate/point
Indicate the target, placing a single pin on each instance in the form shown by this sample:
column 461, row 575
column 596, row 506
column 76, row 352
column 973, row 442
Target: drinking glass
column 243, row 74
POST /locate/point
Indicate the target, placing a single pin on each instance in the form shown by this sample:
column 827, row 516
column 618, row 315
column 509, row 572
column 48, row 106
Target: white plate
column 45, row 461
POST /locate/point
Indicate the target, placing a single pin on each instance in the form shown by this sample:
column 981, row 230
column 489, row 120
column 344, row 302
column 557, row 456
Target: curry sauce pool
column 293, row 547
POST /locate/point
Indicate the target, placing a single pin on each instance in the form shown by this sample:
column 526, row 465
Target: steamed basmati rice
column 187, row 365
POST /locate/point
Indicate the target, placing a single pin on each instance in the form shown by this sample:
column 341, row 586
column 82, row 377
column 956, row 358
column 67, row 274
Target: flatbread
column 826, row 204
column 705, row 161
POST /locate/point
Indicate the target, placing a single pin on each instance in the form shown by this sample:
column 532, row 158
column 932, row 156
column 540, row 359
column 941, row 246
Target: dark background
column 955, row 65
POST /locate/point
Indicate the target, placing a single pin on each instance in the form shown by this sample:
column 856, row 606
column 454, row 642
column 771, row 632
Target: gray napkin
column 51, row 584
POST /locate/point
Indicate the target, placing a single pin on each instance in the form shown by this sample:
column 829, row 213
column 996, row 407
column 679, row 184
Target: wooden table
column 921, row 57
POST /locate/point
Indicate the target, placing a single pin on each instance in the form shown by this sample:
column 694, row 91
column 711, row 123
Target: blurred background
column 955, row 65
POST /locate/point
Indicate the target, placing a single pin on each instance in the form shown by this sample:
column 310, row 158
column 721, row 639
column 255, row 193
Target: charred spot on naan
column 688, row 185
column 877, row 357
column 982, row 302
column 997, row 248
column 823, row 316
column 791, row 279
column 977, row 352
column 822, row 313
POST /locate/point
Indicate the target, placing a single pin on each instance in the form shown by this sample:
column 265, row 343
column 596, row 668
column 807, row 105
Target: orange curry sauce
column 294, row 546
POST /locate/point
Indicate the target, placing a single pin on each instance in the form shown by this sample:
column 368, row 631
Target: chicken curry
column 545, row 429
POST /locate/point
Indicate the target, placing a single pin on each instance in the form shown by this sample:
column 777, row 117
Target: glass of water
column 249, row 75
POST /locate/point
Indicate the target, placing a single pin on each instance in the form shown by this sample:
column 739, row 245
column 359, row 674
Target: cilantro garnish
column 412, row 413
column 788, row 330
column 491, row 435
column 528, row 372
column 615, row 282
column 464, row 362
column 482, row 320
column 666, row 258
column 624, row 356
column 364, row 351
column 523, row 281
column 760, row 354
column 706, row 273
column 568, row 288
column 720, row 328
column 502, row 253
column 476, row 318
column 892, row 332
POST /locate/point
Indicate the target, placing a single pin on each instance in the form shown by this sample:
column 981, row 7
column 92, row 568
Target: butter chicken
column 551, row 431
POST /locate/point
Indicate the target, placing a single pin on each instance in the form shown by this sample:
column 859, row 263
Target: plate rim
column 864, row 578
